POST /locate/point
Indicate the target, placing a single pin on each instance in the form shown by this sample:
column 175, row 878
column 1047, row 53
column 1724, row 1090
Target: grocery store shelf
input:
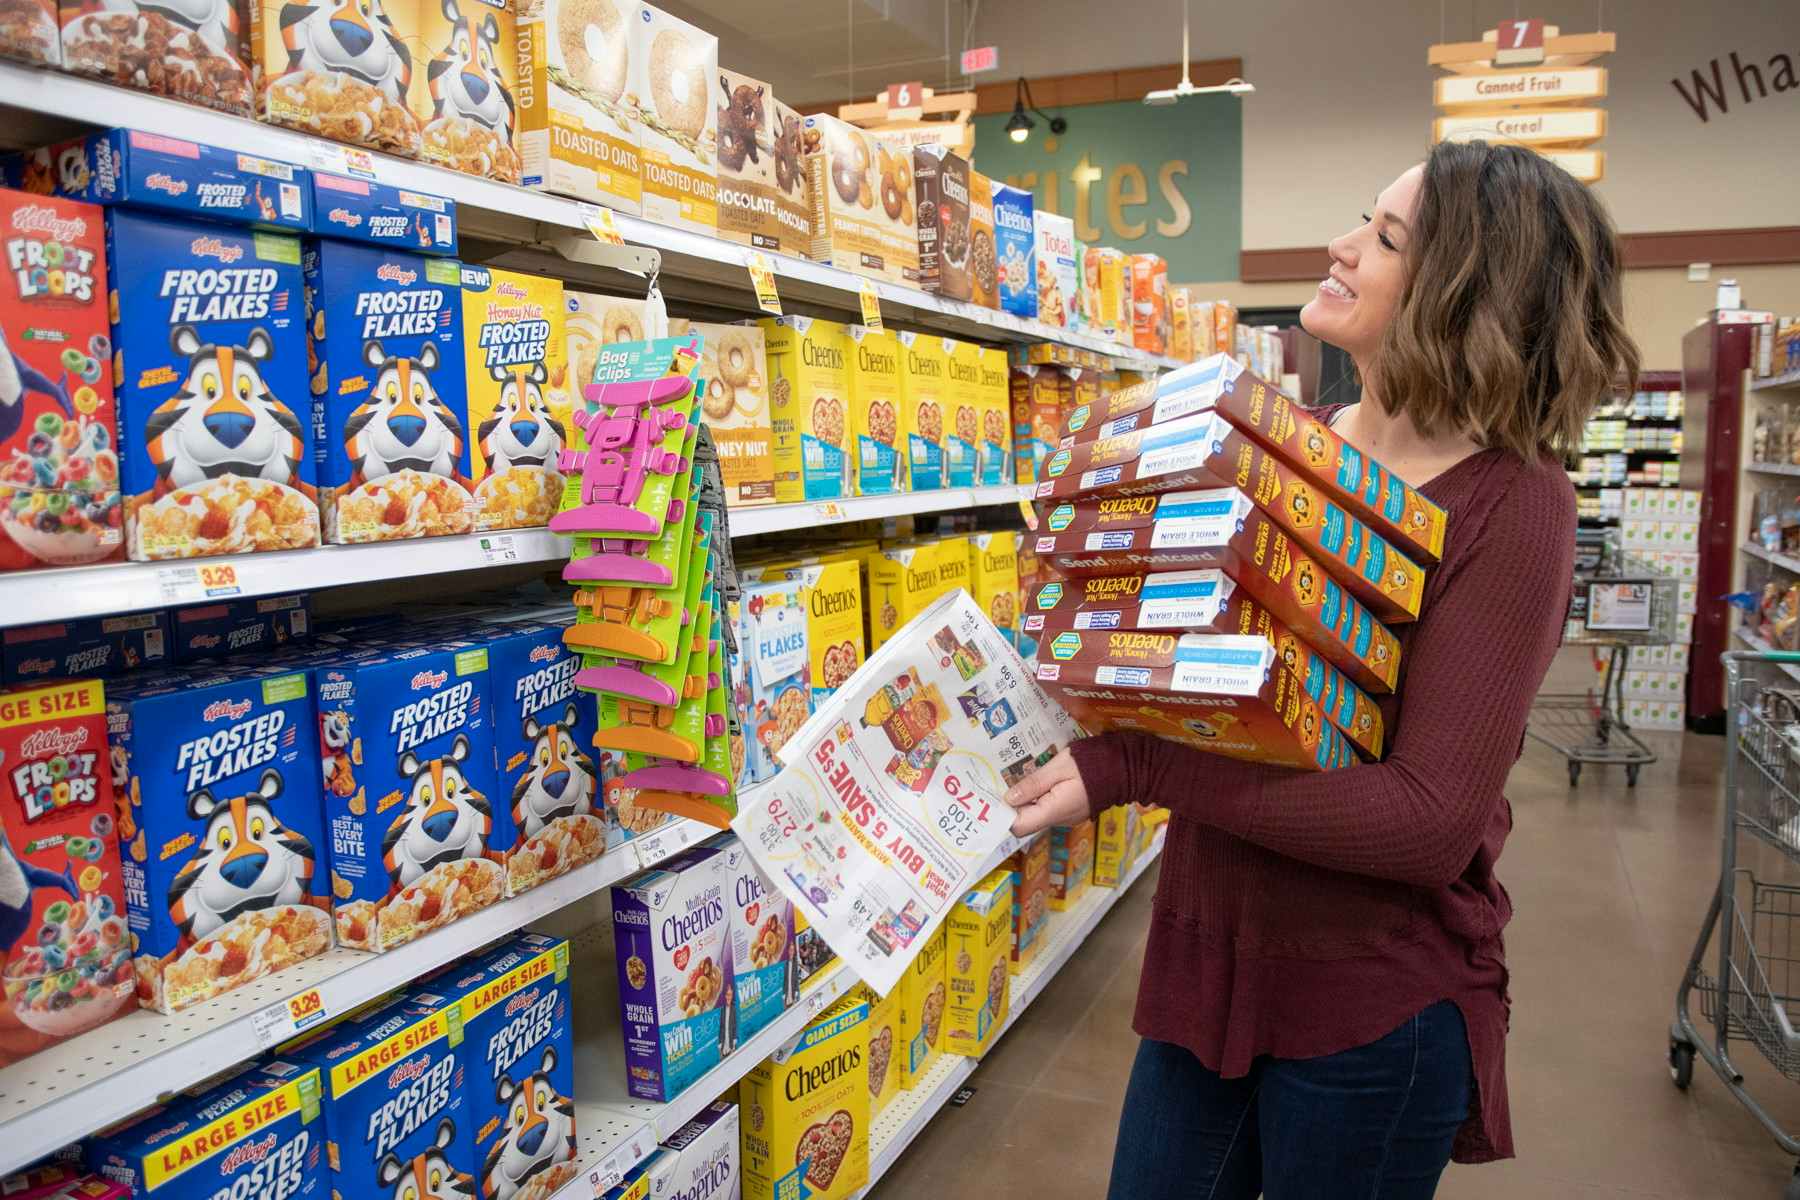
column 1774, row 468
column 1786, row 379
column 533, row 221
column 746, row 522
column 1761, row 645
column 1786, row 562
column 75, row 1087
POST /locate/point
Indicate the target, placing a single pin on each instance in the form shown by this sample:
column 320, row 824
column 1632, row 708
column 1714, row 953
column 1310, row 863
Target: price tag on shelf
column 344, row 160
column 830, row 510
column 1029, row 513
column 604, row 1179
column 285, row 1018
column 200, row 581
column 871, row 304
column 671, row 839
column 600, row 223
column 762, row 278
column 500, row 548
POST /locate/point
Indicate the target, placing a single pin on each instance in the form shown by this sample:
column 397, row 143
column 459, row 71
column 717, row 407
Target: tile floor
column 1609, row 887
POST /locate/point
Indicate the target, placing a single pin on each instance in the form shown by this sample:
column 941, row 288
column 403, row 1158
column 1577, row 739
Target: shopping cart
column 1620, row 601
column 1755, row 910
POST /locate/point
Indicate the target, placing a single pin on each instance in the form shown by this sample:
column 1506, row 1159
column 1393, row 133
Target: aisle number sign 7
column 1519, row 41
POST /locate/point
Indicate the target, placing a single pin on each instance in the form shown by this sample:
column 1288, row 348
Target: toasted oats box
column 350, row 75
column 671, row 935
column 861, row 201
column 468, row 108
column 1071, row 863
column 879, row 459
column 1031, row 901
column 734, row 363
column 995, row 455
column 520, row 397
column 762, row 182
column 764, row 981
column 223, row 830
column 806, row 1111
column 924, row 401
column 578, row 130
column 984, row 264
column 884, row 1045
column 809, row 374
column 1056, row 268
column 148, row 170
column 924, row 995
column 1115, row 843
column 941, row 182
column 362, row 210
column 94, row 647
column 210, row 369
column 1015, row 246
column 258, row 624
column 673, row 67
column 964, row 403
column 197, row 54
column 391, row 408
column 419, row 836
column 994, row 578
column 701, row 1160
column 978, row 945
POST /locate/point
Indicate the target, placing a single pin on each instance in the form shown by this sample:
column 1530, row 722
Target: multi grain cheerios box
column 225, row 878
column 924, row 996
column 994, row 577
column 578, row 131
column 809, row 386
column 671, row 933
column 978, row 945
column 734, row 365
column 468, row 106
column 391, row 412
column 806, row 1111
column 761, row 955
column 350, row 75
column 520, row 397
column 1031, row 901
column 197, row 55
column 1056, row 269
column 924, row 402
column 878, row 454
column 964, row 406
column 701, row 1160
column 210, row 369
column 673, row 67
column 1071, row 863
column 762, row 182
column 419, row 834
column 362, row 210
column 996, row 419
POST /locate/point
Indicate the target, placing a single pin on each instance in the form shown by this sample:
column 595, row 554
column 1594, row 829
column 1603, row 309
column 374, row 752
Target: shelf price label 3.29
column 283, row 1019
column 200, row 581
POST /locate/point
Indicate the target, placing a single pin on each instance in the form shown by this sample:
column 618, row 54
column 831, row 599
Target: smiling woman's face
column 1354, row 304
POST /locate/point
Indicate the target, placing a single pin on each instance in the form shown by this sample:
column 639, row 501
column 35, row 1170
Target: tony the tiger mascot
column 223, row 420
column 540, row 1132
column 334, row 752
column 348, row 37
column 444, row 820
column 247, row 861
column 560, row 780
column 521, row 433
column 427, row 1176
column 465, row 74
column 404, row 425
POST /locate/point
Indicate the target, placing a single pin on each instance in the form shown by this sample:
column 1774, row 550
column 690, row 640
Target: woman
column 1324, row 1003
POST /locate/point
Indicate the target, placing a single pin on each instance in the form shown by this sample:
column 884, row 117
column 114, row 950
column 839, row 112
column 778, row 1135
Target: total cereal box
column 879, row 458
column 1057, row 271
column 924, row 993
column 734, row 364
column 210, row 368
column 223, row 832
column 1071, row 863
column 924, row 400
column 419, row 836
column 468, row 108
column 809, row 374
column 197, row 55
column 350, row 75
column 964, row 406
column 363, row 210
column 984, row 266
column 764, row 981
column 996, row 419
column 884, row 1044
column 59, row 462
column 673, row 66
column 806, row 1111
column 762, row 182
column 1015, row 246
column 978, row 945
column 578, row 130
column 97, row 647
column 671, row 935
column 391, row 411
column 65, row 909
column 148, row 170
column 701, row 1160
column 520, row 398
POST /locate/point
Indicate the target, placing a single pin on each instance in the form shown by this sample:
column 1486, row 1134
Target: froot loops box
column 62, row 923
column 210, row 368
column 223, row 836
column 59, row 465
column 519, row 394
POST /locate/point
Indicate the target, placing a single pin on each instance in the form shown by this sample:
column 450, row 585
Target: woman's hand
column 1051, row 795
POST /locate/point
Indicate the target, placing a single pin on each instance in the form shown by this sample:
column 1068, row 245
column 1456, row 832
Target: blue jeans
column 1372, row 1123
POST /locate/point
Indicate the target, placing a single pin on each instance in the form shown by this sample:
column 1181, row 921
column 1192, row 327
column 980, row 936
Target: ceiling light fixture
column 1235, row 87
column 1020, row 124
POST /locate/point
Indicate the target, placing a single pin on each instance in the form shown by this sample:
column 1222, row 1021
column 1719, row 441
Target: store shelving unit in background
column 1599, row 499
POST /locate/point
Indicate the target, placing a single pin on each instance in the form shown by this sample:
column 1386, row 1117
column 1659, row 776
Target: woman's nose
column 1342, row 249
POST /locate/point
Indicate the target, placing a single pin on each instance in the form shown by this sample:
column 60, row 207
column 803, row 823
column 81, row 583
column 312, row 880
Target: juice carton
column 148, row 170
column 994, row 578
column 1149, row 303
column 806, row 1111
column 984, row 266
column 468, row 108
column 701, row 1160
column 223, row 830
column 734, row 364
column 862, row 201
column 1031, row 901
column 924, row 992
column 996, row 419
column 884, row 1045
column 965, row 403
column 1071, row 863
column 762, row 182
column 879, row 458
column 809, row 372
column 350, row 77
column 361, row 210
column 1115, row 837
column 941, row 183
column 96, row 647
column 391, row 411
column 978, row 946
column 198, row 55
column 578, row 131
column 1057, row 270
column 519, row 394
column 673, row 67
column 66, row 911
column 924, row 399
column 260, row 623
column 1015, row 247
column 763, row 976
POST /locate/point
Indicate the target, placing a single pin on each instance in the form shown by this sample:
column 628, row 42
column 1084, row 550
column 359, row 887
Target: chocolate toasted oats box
column 941, row 182
column 984, row 264
column 762, row 182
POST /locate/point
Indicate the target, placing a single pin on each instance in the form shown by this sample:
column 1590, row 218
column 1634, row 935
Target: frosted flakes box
column 468, row 108
column 64, row 915
column 257, row 624
column 520, row 399
column 806, row 1111
column 700, row 1161
column 764, row 981
column 924, row 401
column 977, row 947
column 775, row 694
column 671, row 935
column 964, row 405
column 878, row 453
column 419, row 836
column 1015, row 247
column 361, row 210
column 995, row 454
column 578, row 131
column 673, row 66
column 197, row 54
column 1057, row 270
column 97, row 647
column 762, row 182
column 391, row 411
column 809, row 374
column 148, row 170
column 210, row 366
column 342, row 73
column 223, row 832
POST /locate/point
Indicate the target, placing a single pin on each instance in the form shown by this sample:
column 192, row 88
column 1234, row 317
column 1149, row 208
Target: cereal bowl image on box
column 519, row 396
column 192, row 51
column 468, row 110
column 342, row 72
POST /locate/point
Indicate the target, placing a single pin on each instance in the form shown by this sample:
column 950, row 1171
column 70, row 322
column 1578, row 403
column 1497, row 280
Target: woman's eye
column 1383, row 239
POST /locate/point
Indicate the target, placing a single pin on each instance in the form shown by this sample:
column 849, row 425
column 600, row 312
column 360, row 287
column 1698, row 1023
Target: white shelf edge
column 1786, row 562
column 1786, row 379
column 1773, row 468
column 1759, row 643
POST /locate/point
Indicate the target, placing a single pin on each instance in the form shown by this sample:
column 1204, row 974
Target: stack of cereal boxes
column 1661, row 526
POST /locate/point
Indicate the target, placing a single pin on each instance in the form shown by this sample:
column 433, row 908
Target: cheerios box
column 671, row 935
column 977, row 947
column 350, row 75
column 150, row 170
column 225, row 851
column 963, row 409
column 1071, row 863
column 806, row 1111
column 764, row 980
column 809, row 387
column 884, row 1045
column 210, row 370
column 878, row 451
column 673, row 68
column 520, row 397
column 1015, row 246
column 468, row 108
column 994, row 578
column 391, row 414
column 702, row 1159
column 356, row 209
column 419, row 832
column 1116, row 841
column 924, row 996
column 832, row 594
column 65, row 915
column 578, row 132
column 924, row 405
column 195, row 55
column 995, row 454
column 903, row 581
column 96, row 647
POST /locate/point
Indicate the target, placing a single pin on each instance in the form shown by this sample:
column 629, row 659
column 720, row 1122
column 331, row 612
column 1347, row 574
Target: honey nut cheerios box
column 764, row 981
column 671, row 937
column 963, row 408
column 977, row 949
column 995, row 456
column 994, row 578
column 878, row 452
column 1031, row 901
column 391, row 413
column 806, row 1111
column 578, row 132
column 924, row 999
column 1040, row 396
column 984, row 264
column 198, row 55
column 69, row 960
column 209, row 365
column 734, row 366
column 1116, row 841
column 673, row 68
column 763, row 202
column 519, row 395
column 809, row 387
column 466, row 100
column 925, row 407
column 348, row 73
column 419, row 833
column 225, row 851
column 1071, row 863
column 884, row 1045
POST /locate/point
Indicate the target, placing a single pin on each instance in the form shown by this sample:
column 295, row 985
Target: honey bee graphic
column 1301, row 506
column 1315, row 445
column 1307, row 584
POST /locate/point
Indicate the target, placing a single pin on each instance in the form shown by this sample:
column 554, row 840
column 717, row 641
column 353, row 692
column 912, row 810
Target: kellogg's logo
column 212, row 247
column 37, row 666
column 511, row 291
column 41, row 743
column 521, row 1001
column 395, row 273
column 406, row 1072
column 430, row 679
column 344, row 217
column 229, row 709
column 205, row 641
column 161, row 181
column 245, row 1153
column 543, row 653
column 47, row 221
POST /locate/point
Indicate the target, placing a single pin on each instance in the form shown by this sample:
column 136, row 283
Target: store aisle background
column 1608, row 885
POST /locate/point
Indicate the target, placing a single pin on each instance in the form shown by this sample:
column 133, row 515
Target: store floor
column 1609, row 886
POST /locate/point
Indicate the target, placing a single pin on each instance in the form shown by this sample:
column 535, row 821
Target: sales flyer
column 888, row 804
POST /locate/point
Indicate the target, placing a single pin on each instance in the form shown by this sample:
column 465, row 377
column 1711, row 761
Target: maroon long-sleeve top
column 1304, row 913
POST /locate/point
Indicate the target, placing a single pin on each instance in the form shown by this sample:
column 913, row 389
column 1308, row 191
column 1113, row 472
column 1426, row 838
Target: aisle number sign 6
column 905, row 101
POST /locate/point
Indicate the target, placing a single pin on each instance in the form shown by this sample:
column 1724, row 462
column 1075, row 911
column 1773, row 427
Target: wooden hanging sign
column 1526, row 84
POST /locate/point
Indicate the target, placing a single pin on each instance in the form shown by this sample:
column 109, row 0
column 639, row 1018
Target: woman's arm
column 1473, row 665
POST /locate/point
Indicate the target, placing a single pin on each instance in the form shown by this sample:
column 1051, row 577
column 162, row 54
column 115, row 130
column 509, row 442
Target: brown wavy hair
column 1510, row 328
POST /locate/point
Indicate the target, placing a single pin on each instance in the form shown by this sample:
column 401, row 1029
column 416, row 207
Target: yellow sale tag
column 830, row 510
column 871, row 305
column 307, row 1004
column 762, row 278
column 222, row 575
column 1029, row 513
column 600, row 223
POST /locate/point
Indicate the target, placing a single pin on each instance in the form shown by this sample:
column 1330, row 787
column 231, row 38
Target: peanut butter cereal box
column 806, row 1111
column 1115, row 836
column 468, row 106
column 964, row 405
column 1031, row 901
column 578, row 130
column 984, row 264
column 197, row 54
column 210, row 368
column 994, row 578
column 924, row 996
column 764, row 981
column 1071, row 863
column 224, row 834
column 862, row 198
column 520, row 397
column 879, row 458
column 809, row 386
column 762, row 181
column 734, row 365
column 884, row 1045
column 673, row 68
column 347, row 74
column 671, row 934
column 995, row 455
column 925, row 407
column 29, row 32
column 1056, row 267
column 978, row 945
